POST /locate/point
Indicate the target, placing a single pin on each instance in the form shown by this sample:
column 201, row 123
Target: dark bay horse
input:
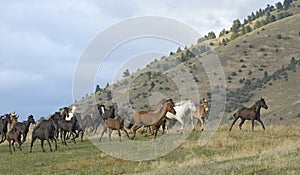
column 25, row 126
column 152, row 118
column 252, row 113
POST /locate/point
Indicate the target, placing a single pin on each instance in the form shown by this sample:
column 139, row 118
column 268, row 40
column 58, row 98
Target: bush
column 262, row 49
column 279, row 36
column 244, row 66
column 233, row 74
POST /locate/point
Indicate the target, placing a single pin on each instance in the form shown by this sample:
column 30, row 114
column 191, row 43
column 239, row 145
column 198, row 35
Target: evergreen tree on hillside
column 210, row 35
column 279, row 6
column 126, row 73
column 98, row 88
column 287, row 3
column 236, row 25
column 222, row 33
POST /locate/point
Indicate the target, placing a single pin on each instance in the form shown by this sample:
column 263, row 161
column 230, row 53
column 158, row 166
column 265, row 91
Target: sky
column 42, row 41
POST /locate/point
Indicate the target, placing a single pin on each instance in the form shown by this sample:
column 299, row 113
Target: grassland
column 273, row 151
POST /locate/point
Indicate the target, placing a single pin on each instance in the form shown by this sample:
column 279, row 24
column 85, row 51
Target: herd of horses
column 71, row 123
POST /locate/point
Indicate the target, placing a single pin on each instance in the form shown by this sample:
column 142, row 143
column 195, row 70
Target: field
column 273, row 151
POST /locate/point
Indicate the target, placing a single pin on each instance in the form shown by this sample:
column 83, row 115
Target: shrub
column 262, row 49
column 244, row 66
column 279, row 36
column 233, row 74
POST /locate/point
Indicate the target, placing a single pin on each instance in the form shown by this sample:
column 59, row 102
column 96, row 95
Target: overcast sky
column 41, row 41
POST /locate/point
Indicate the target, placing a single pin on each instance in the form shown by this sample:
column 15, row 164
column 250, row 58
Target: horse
column 199, row 114
column 159, row 104
column 14, row 135
column 3, row 126
column 181, row 109
column 45, row 130
column 114, row 124
column 25, row 126
column 110, row 112
column 252, row 113
column 152, row 118
column 66, row 126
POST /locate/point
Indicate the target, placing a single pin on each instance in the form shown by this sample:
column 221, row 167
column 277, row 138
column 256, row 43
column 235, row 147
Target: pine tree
column 98, row 88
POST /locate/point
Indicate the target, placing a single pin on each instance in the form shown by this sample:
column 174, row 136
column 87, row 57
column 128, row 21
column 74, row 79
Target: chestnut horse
column 152, row 118
column 199, row 113
column 252, row 113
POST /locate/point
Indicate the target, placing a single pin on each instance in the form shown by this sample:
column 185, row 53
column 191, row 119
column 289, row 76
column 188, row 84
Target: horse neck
column 27, row 124
column 256, row 107
column 181, row 109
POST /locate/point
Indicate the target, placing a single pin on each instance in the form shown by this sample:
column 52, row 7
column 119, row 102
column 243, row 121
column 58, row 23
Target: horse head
column 170, row 107
column 205, row 104
column 31, row 119
column 263, row 103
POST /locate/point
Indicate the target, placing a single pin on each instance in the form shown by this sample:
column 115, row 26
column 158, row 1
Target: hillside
column 250, row 60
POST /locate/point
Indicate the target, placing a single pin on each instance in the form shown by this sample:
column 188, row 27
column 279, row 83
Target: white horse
column 71, row 113
column 181, row 109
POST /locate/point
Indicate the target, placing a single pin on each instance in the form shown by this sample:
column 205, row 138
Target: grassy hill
column 255, row 64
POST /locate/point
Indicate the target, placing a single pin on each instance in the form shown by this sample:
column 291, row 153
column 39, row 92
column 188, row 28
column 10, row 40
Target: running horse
column 152, row 118
column 199, row 114
column 252, row 113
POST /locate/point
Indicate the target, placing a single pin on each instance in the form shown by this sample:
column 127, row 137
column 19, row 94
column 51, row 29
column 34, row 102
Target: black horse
column 45, row 130
column 3, row 126
column 252, row 113
column 110, row 112
column 25, row 126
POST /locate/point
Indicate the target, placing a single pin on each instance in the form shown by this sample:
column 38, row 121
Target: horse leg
column 13, row 145
column 20, row 143
column 253, row 124
column 49, row 145
column 164, row 125
column 202, row 123
column 242, row 122
column 109, row 133
column 262, row 124
column 9, row 145
column 31, row 144
column 42, row 145
column 64, row 137
column 134, row 129
column 81, row 137
column 126, row 132
column 104, row 130
column 233, row 123
column 119, row 134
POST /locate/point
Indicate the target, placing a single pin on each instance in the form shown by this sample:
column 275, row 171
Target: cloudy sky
column 41, row 41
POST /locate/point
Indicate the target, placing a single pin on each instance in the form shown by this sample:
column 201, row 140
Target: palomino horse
column 152, row 118
column 181, row 109
column 199, row 113
column 14, row 121
column 252, row 113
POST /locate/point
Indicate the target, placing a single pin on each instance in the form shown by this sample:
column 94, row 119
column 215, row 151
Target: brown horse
column 199, row 113
column 152, row 118
column 252, row 113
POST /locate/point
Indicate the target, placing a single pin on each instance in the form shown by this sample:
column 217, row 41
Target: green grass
column 273, row 151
